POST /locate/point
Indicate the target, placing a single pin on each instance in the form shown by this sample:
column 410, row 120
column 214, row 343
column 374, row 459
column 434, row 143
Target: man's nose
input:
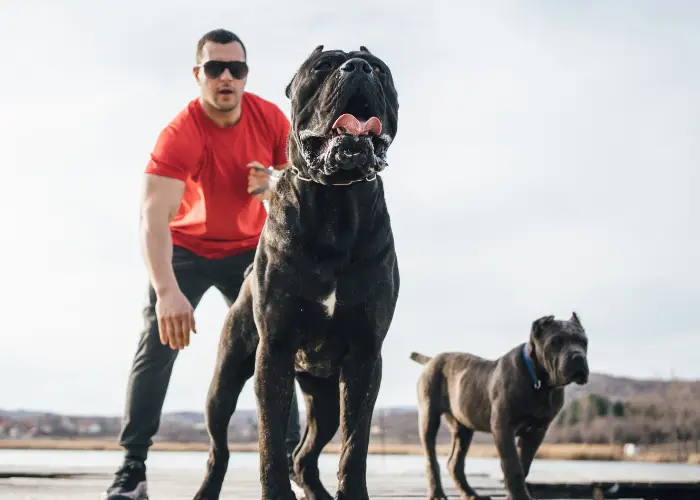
column 356, row 65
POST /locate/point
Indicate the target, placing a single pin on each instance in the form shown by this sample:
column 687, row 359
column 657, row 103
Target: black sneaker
column 129, row 482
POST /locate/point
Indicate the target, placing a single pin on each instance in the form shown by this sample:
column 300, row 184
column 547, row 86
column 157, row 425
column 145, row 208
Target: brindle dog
column 517, row 395
column 324, row 285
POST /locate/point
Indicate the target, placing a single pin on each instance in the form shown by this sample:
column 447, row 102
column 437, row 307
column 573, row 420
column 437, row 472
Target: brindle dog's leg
column 461, row 440
column 504, row 437
column 528, row 444
column 429, row 424
column 322, row 421
column 273, row 388
column 280, row 328
column 234, row 366
column 360, row 378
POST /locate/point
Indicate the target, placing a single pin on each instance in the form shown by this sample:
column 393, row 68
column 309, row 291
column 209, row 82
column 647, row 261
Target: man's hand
column 175, row 319
column 258, row 181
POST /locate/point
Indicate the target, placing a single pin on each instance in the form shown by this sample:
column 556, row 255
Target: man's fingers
column 172, row 329
column 258, row 190
column 258, row 170
column 180, row 334
column 185, row 329
column 163, row 331
column 192, row 326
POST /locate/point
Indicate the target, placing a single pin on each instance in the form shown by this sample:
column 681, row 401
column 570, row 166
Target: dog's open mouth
column 353, row 146
column 357, row 119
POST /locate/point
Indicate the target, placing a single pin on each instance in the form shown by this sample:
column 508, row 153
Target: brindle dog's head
column 561, row 349
column 344, row 114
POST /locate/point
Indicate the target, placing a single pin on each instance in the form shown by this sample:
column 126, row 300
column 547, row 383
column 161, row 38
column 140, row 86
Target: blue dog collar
column 537, row 383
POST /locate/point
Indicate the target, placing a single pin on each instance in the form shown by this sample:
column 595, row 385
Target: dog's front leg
column 274, row 389
column 528, row 444
column 360, row 378
column 504, row 437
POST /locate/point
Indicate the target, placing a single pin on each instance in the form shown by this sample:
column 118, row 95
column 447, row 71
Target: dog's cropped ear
column 575, row 320
column 539, row 324
column 288, row 90
column 364, row 49
column 317, row 50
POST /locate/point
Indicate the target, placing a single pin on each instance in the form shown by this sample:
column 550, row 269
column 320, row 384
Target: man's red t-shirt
column 217, row 216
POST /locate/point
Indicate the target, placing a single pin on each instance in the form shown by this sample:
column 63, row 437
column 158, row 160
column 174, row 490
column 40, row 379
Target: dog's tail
column 421, row 359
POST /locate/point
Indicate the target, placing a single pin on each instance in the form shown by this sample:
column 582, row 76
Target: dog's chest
column 540, row 414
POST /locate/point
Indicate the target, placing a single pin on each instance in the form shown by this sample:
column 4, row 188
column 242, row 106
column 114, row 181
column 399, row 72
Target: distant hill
column 611, row 387
column 625, row 389
column 607, row 409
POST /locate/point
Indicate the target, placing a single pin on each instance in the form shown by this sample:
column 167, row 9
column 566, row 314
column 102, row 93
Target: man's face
column 221, row 91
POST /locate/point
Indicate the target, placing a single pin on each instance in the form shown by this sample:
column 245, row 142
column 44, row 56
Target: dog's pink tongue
column 372, row 125
column 353, row 126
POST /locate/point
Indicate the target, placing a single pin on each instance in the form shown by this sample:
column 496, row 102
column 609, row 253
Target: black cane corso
column 322, row 292
column 518, row 394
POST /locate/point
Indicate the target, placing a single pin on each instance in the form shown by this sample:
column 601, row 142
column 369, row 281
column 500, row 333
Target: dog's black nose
column 356, row 65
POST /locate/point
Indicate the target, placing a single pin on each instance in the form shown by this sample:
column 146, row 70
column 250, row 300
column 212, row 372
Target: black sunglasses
column 214, row 69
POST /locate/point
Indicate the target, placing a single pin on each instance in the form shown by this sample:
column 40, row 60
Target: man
column 200, row 226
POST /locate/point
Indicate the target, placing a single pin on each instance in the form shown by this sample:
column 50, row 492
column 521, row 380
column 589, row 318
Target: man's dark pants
column 153, row 362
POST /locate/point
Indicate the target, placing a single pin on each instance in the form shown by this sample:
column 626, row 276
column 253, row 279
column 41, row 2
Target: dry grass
column 547, row 451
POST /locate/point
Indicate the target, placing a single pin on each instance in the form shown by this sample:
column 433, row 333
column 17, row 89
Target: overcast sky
column 547, row 160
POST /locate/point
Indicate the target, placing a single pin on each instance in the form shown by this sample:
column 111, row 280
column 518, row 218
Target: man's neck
column 222, row 118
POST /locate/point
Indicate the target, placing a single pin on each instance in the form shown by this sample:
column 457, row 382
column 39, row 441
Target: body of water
column 69, row 460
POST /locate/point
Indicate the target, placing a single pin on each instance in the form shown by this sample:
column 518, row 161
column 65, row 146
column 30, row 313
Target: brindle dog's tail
column 420, row 358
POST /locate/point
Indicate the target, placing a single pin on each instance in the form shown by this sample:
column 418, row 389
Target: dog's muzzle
column 577, row 368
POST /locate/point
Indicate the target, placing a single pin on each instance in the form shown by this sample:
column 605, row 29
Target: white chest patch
column 329, row 304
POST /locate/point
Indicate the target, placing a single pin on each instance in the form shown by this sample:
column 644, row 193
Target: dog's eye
column 323, row 66
column 378, row 68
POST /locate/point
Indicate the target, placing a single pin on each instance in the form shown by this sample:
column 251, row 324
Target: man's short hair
column 218, row 36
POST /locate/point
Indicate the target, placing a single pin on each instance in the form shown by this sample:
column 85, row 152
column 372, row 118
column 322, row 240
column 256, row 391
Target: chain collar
column 299, row 176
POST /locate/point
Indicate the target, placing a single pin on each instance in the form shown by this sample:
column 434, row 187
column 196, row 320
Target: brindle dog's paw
column 526, row 497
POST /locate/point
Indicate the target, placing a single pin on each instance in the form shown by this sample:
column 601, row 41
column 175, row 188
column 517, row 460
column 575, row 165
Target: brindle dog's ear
column 575, row 320
column 364, row 49
column 288, row 90
column 539, row 324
